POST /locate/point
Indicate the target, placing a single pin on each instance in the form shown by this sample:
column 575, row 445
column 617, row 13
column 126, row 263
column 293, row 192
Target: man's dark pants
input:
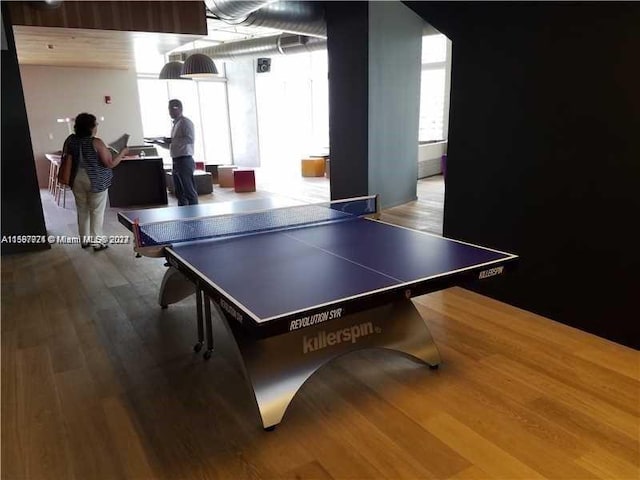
column 183, row 182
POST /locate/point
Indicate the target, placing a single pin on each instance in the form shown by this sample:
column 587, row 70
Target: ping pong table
column 294, row 286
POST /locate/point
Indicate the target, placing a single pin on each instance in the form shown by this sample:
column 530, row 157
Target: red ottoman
column 244, row 180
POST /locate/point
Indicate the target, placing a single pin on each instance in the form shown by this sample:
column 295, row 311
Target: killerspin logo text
column 324, row 339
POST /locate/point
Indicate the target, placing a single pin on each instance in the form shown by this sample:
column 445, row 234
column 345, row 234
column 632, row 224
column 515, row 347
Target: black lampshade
column 171, row 71
column 199, row 65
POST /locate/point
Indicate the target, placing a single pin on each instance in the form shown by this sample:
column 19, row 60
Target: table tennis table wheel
column 164, row 307
column 138, row 255
column 270, row 429
column 197, row 347
column 434, row 367
column 207, row 354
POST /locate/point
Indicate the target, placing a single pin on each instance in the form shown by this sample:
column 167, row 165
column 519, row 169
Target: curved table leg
column 276, row 367
column 175, row 287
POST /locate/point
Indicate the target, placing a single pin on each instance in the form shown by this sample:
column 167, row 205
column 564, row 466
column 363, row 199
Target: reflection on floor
column 99, row 382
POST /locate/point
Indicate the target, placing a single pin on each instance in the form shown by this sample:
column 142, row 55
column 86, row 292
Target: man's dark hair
column 175, row 103
column 84, row 124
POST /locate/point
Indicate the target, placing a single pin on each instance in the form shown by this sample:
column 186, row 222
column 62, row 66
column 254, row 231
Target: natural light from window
column 293, row 109
column 292, row 104
column 204, row 102
column 436, row 54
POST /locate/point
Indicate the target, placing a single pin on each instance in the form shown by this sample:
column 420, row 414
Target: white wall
column 57, row 92
column 430, row 158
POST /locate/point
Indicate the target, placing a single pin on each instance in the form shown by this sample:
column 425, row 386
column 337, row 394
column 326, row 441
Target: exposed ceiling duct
column 303, row 23
column 232, row 11
column 300, row 17
column 283, row 44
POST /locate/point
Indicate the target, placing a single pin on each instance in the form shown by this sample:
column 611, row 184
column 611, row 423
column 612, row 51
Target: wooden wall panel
column 186, row 17
column 79, row 47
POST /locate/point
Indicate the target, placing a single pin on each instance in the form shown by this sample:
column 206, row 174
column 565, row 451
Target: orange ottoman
column 312, row 167
column 225, row 175
column 244, row 180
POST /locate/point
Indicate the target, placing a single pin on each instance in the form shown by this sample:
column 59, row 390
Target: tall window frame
column 293, row 110
column 208, row 148
column 435, row 88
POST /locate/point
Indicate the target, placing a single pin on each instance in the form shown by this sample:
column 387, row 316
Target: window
column 153, row 106
column 293, row 109
column 320, row 99
column 204, row 102
column 434, row 49
column 434, row 88
column 187, row 92
column 432, row 105
column 215, row 121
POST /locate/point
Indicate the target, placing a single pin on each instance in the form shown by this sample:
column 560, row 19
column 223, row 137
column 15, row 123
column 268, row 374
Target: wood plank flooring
column 100, row 383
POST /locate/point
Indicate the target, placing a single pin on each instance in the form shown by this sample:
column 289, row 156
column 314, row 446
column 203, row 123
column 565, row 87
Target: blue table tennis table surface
column 163, row 214
column 273, row 290
column 283, row 275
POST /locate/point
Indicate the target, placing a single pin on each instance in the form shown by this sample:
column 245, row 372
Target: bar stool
column 54, row 164
column 55, row 188
column 61, row 190
column 52, row 176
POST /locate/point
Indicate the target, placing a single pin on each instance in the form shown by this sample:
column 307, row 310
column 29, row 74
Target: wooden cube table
column 312, row 167
column 225, row 175
column 202, row 179
column 244, row 180
column 212, row 168
column 204, row 186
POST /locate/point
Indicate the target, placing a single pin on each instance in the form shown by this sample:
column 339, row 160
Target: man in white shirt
column 180, row 145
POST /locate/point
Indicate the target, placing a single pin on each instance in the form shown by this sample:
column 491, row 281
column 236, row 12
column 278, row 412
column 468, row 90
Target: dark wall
column 348, row 46
column 544, row 158
column 21, row 208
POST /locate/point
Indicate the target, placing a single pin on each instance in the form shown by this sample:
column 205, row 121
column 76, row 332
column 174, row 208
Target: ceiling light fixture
column 199, row 65
column 171, row 71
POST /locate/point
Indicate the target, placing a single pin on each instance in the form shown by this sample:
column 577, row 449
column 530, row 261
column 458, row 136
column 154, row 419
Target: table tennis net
column 178, row 231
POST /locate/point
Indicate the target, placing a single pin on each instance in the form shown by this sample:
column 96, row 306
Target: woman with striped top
column 90, row 178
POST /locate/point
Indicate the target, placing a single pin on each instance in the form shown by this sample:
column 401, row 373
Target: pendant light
column 199, row 65
column 171, row 71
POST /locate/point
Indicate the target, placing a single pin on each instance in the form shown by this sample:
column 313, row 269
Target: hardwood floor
column 425, row 213
column 100, row 383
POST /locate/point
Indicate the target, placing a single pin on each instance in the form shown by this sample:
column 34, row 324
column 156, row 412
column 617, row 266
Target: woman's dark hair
column 84, row 124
